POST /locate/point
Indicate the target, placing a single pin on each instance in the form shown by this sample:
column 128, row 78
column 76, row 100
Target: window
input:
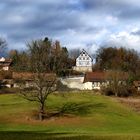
column 95, row 84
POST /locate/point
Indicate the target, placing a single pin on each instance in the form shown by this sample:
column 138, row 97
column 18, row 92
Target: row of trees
column 58, row 59
column 55, row 57
column 118, row 59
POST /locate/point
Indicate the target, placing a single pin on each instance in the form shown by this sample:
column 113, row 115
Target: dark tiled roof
column 94, row 76
column 83, row 51
column 102, row 76
column 32, row 76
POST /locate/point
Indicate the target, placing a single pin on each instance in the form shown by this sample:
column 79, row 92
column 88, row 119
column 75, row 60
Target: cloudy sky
column 75, row 23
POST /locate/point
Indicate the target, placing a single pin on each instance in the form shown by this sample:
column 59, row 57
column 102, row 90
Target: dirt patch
column 134, row 103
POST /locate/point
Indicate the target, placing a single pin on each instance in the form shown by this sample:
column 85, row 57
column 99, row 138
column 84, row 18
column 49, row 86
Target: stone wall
column 83, row 69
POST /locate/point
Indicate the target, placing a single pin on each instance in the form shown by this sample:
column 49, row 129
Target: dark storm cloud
column 43, row 17
column 123, row 9
column 27, row 19
column 137, row 33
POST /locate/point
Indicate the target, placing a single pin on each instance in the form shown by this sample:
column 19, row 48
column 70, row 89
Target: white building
column 83, row 62
column 94, row 80
column 97, row 80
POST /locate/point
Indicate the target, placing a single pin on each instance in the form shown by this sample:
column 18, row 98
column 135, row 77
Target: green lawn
column 85, row 116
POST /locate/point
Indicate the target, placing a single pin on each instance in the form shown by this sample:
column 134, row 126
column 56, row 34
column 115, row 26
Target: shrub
column 122, row 91
column 5, row 74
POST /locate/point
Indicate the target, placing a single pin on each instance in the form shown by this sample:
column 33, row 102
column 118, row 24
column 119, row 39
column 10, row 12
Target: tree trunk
column 41, row 112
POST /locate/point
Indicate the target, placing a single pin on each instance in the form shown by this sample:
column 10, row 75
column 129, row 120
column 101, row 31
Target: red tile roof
column 31, row 76
column 102, row 76
column 94, row 76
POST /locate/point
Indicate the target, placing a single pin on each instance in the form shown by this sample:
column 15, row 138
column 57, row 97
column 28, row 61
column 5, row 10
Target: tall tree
column 43, row 84
column 118, row 59
column 74, row 53
column 20, row 60
column 117, row 82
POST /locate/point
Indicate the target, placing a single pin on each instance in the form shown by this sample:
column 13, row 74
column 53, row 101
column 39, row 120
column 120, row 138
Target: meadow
column 81, row 116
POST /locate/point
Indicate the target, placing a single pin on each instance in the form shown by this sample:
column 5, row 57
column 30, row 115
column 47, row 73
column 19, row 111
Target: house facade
column 97, row 80
column 94, row 80
column 83, row 62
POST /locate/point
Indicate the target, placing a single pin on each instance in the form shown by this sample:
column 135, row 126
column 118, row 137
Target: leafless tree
column 43, row 84
column 41, row 87
column 74, row 53
column 117, row 81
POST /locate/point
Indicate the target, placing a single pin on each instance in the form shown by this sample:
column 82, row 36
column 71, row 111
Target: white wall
column 74, row 82
column 88, row 86
column 82, row 69
column 6, row 68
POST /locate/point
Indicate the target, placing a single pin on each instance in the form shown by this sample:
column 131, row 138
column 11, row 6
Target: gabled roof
column 102, row 76
column 83, row 51
column 94, row 76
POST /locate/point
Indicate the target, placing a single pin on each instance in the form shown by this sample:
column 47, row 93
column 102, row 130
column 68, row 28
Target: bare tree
column 117, row 81
column 74, row 53
column 43, row 84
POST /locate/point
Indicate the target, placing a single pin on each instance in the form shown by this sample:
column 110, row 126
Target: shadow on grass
column 61, row 136
column 72, row 108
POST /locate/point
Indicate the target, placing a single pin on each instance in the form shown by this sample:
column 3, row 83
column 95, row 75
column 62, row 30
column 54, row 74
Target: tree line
column 60, row 60
column 55, row 58
column 118, row 59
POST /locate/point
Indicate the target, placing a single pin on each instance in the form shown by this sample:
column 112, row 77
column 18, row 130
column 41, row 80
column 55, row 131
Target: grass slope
column 86, row 115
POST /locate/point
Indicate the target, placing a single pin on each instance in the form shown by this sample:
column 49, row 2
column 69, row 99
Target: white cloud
column 111, row 20
column 125, row 39
column 76, row 23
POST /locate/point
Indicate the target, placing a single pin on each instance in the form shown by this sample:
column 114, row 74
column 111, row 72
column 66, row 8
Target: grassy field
column 84, row 116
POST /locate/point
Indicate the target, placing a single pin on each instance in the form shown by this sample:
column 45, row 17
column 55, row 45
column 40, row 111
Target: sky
column 85, row 24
